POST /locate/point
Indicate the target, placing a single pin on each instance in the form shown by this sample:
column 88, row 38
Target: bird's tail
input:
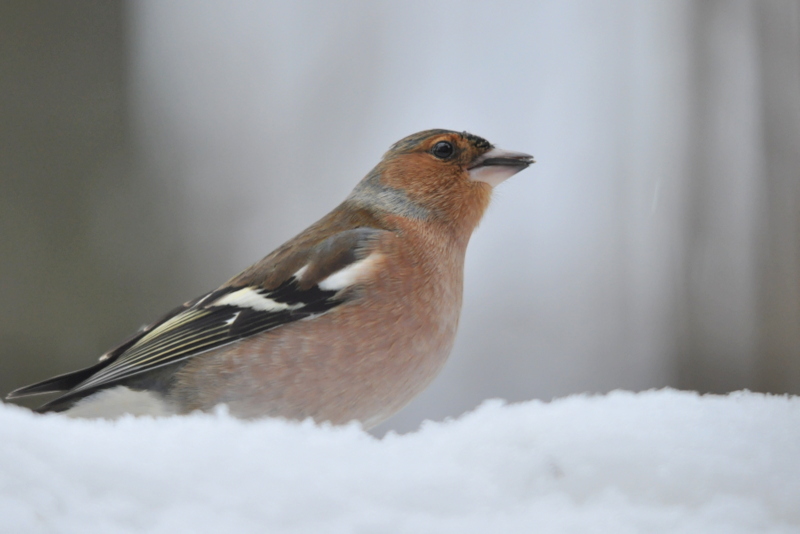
column 58, row 383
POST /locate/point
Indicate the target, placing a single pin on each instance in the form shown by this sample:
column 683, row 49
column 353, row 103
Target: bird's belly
column 339, row 374
column 115, row 402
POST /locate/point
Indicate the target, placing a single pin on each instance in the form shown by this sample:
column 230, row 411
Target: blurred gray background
column 149, row 150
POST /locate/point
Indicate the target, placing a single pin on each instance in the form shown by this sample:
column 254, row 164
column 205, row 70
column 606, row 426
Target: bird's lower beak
column 497, row 165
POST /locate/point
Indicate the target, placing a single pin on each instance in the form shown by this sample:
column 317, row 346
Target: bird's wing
column 235, row 312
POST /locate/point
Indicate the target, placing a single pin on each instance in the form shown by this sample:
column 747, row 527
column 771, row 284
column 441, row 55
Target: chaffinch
column 348, row 320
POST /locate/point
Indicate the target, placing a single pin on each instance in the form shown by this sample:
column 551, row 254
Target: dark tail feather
column 57, row 383
column 68, row 381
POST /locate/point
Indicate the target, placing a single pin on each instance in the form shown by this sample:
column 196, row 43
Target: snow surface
column 658, row 461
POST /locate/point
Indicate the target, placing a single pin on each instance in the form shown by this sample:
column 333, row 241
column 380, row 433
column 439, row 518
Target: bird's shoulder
column 340, row 238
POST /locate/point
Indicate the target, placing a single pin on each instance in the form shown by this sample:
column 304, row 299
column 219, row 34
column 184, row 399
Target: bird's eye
column 442, row 150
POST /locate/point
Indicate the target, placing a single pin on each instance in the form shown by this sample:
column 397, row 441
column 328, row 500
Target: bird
column 347, row 321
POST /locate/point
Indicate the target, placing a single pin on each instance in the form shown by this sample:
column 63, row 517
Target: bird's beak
column 497, row 165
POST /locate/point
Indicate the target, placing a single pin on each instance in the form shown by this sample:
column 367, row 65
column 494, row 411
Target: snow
column 657, row 461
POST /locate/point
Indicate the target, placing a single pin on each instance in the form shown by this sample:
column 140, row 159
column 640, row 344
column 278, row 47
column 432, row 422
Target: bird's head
column 445, row 174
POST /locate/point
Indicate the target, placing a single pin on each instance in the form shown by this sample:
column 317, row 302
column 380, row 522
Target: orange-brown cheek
column 444, row 189
column 420, row 177
column 409, row 172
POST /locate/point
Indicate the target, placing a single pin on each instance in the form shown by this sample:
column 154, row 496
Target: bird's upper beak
column 497, row 165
